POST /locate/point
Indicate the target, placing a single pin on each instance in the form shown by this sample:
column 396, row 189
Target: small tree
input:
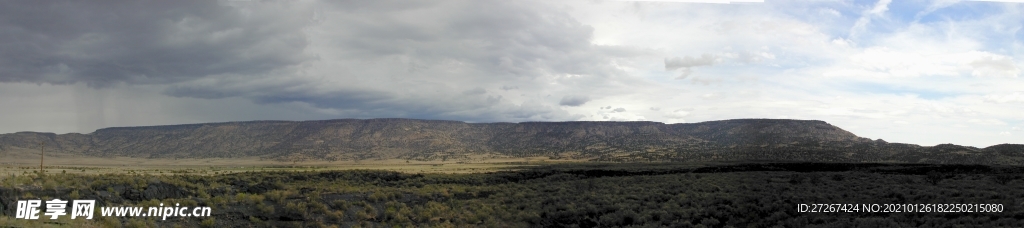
column 210, row 222
column 838, row 177
column 796, row 179
column 1004, row 178
column 934, row 177
column 814, row 178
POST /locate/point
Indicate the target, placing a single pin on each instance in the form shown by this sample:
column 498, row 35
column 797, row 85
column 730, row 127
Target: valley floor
column 24, row 162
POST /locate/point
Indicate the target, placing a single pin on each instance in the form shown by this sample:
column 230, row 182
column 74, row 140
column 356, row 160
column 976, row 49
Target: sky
column 914, row 71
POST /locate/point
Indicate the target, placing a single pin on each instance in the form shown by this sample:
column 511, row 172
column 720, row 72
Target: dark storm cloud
column 366, row 99
column 432, row 59
column 573, row 100
column 429, row 59
column 106, row 42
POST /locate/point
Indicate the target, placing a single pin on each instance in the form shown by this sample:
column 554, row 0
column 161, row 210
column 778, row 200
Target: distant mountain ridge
column 362, row 139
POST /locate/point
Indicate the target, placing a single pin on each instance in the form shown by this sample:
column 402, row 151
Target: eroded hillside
column 353, row 139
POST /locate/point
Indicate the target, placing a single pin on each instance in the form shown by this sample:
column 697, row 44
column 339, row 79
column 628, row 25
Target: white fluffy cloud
column 885, row 62
column 1008, row 98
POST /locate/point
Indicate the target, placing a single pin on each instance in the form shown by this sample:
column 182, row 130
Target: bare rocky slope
column 357, row 139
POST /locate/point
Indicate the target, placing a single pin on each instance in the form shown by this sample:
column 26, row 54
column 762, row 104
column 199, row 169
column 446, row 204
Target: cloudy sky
column 923, row 72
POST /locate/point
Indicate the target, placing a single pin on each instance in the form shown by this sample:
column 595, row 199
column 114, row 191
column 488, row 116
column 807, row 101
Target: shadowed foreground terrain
column 570, row 195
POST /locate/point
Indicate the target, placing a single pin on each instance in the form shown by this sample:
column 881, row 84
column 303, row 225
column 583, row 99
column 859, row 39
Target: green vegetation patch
column 568, row 195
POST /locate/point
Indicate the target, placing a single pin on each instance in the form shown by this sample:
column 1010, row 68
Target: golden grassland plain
column 25, row 162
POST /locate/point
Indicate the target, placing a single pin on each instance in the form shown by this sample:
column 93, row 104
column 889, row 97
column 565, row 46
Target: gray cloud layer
column 100, row 43
column 416, row 59
column 574, row 100
column 687, row 62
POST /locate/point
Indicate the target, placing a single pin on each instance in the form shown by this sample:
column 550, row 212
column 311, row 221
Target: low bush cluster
column 659, row 195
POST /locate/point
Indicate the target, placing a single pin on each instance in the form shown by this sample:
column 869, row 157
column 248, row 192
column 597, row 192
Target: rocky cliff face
column 352, row 139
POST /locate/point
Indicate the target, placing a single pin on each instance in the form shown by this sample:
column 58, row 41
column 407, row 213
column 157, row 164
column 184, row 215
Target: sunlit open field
column 28, row 162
